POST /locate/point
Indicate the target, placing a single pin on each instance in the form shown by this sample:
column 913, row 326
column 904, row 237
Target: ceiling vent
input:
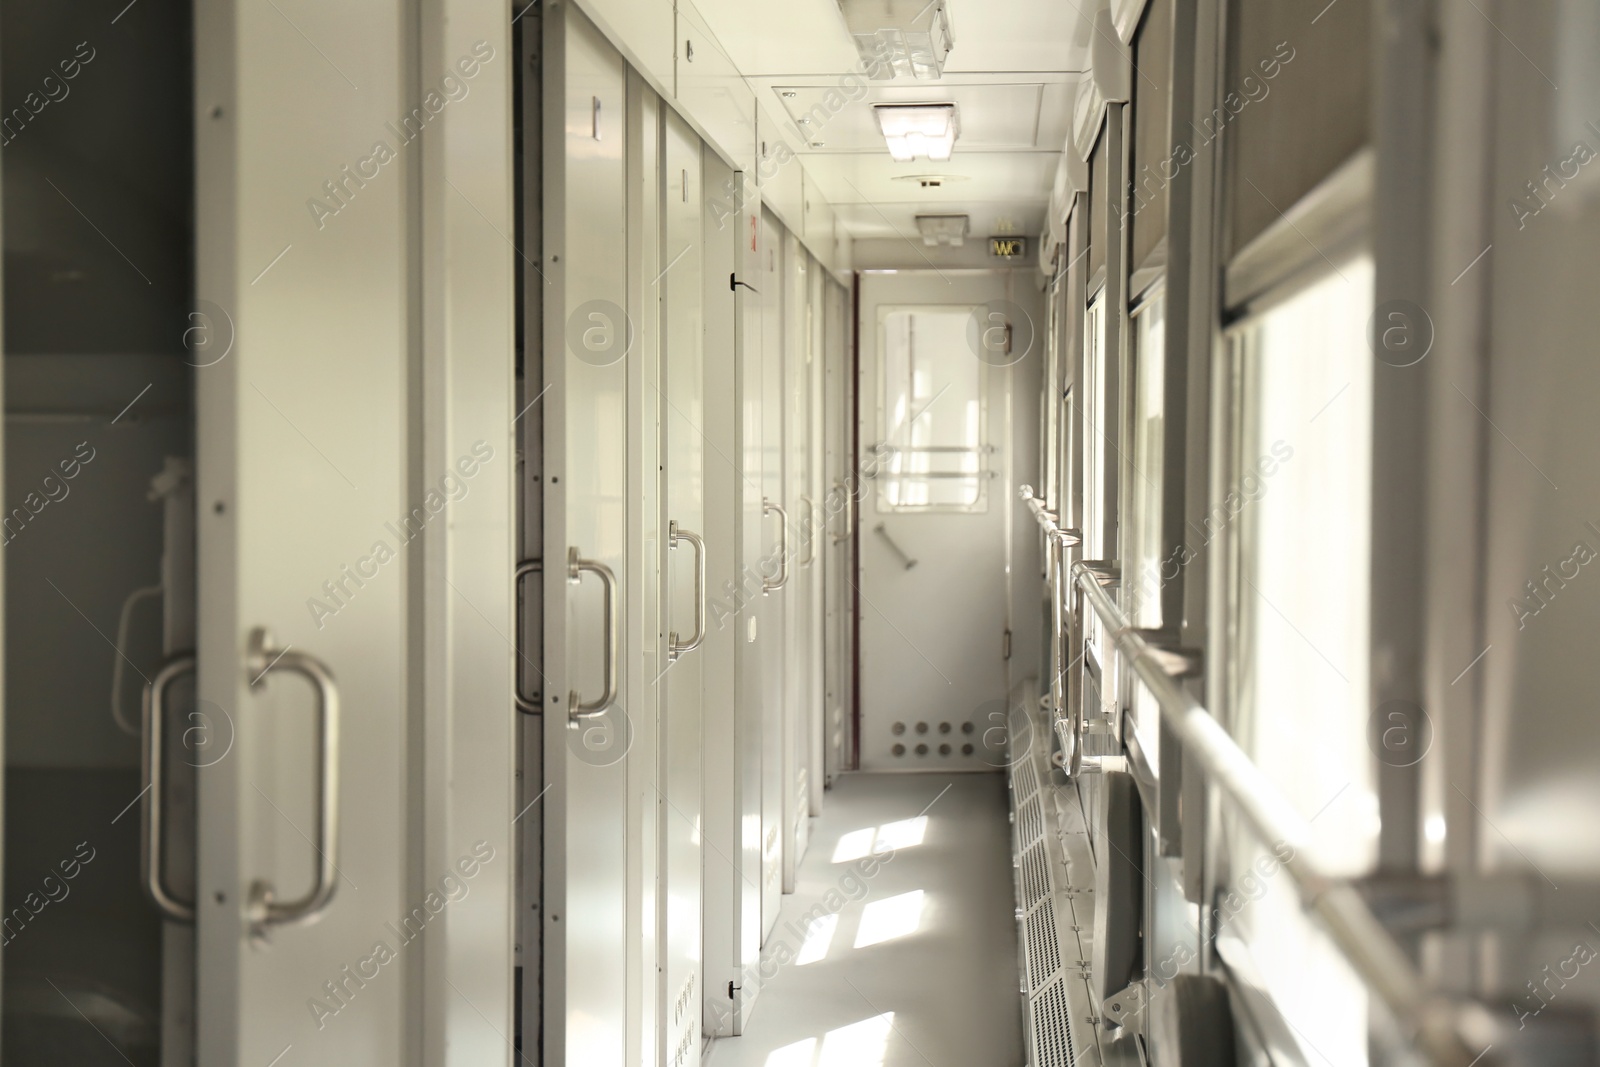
column 899, row 38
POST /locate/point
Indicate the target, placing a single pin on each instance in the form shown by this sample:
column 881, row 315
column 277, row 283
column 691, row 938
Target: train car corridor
column 898, row 947
column 821, row 533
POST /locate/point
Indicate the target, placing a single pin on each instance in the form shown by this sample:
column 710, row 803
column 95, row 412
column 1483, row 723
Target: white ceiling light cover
column 913, row 130
column 943, row 229
column 899, row 38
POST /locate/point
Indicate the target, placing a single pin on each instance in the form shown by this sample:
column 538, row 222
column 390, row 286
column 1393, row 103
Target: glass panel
column 1094, row 437
column 1145, row 569
column 932, row 413
column 1094, row 455
column 1144, row 565
column 1300, row 501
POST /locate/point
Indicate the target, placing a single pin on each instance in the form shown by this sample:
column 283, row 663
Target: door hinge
column 1007, row 646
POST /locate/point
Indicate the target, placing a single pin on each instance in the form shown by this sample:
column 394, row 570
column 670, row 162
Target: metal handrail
column 263, row 661
column 153, row 822
column 883, row 531
column 769, row 508
column 1445, row 1030
column 577, row 567
column 527, row 705
column 676, row 533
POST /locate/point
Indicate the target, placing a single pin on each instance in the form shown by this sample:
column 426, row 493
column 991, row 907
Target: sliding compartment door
column 589, row 712
column 682, row 295
column 302, row 903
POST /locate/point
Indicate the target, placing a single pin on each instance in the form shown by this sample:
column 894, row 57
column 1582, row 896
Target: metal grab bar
column 155, row 713
column 576, row 566
column 767, row 508
column 883, row 531
column 1445, row 1030
column 265, row 909
column 810, row 531
column 968, row 450
column 526, row 705
column 849, row 513
column 674, row 535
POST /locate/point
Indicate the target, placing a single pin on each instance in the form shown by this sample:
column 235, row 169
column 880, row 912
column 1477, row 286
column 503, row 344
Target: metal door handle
column 576, row 707
column 850, row 507
column 265, row 908
column 811, row 528
column 155, row 713
column 674, row 535
column 526, row 705
column 883, row 532
column 767, row 508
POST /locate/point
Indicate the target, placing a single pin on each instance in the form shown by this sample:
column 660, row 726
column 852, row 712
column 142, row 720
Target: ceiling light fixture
column 943, row 229
column 913, row 130
column 899, row 38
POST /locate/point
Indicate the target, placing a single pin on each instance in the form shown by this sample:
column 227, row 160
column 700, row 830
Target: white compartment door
column 302, row 446
column 775, row 568
column 731, row 673
column 936, row 385
column 591, row 346
column 682, row 298
column 799, row 691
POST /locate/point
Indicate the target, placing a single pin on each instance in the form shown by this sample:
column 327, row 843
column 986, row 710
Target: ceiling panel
column 899, row 221
column 809, row 36
column 1014, row 73
column 994, row 176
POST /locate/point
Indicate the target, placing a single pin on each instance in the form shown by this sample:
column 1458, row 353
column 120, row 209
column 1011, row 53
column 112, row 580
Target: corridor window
column 1297, row 508
column 1146, row 568
column 932, row 414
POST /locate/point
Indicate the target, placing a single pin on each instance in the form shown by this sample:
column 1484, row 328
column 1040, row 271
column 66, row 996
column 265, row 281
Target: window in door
column 932, row 412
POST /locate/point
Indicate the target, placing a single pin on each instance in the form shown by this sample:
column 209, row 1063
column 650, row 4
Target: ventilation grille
column 1044, row 952
column 1024, row 781
column 1051, row 1022
column 1030, row 825
column 1035, row 875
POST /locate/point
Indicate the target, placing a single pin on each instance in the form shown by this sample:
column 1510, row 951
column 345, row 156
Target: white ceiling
column 1013, row 72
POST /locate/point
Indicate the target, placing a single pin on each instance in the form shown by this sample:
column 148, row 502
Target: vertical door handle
column 265, row 909
column 577, row 708
column 849, row 500
column 674, row 535
column 155, row 714
column 526, row 705
column 810, row 531
column 767, row 508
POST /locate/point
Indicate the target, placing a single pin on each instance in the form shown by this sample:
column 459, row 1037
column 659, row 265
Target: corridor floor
column 898, row 948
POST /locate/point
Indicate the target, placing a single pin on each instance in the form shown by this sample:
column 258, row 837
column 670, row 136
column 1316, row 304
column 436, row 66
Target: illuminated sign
column 1008, row 247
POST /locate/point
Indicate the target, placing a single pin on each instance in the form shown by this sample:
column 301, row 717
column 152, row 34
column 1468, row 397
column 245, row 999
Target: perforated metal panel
column 1051, row 944
column 1030, row 826
column 1050, row 1021
column 1024, row 781
column 1042, row 948
column 1035, row 878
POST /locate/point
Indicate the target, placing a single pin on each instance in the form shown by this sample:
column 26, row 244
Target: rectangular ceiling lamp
column 913, row 130
column 899, row 38
column 943, row 229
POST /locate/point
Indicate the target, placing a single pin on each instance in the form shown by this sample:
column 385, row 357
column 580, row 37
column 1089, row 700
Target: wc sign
column 1008, row 247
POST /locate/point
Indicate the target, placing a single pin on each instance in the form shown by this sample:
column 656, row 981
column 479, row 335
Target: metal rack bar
column 1448, row 1032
